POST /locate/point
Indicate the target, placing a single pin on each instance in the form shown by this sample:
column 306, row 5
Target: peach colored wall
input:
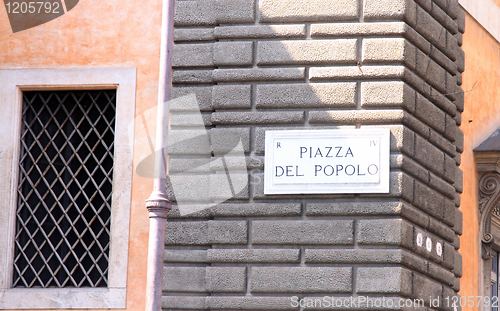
column 101, row 34
column 480, row 118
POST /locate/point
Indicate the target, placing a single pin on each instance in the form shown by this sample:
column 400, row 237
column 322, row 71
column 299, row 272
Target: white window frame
column 12, row 84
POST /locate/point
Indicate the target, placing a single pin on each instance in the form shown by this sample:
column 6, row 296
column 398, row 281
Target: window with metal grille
column 65, row 186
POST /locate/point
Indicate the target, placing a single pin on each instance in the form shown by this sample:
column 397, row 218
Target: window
column 66, row 167
column 65, row 188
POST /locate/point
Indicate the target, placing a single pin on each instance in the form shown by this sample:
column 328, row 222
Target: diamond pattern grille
column 65, row 186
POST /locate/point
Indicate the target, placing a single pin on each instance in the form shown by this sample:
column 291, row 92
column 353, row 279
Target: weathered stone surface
column 317, row 95
column 301, row 280
column 387, row 94
column 306, row 52
column 184, row 279
column 308, row 11
column 389, row 50
column 226, row 279
column 233, row 53
column 385, row 231
column 384, row 280
column 260, row 31
column 302, row 232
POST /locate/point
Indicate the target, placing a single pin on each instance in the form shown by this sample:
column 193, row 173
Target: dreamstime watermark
column 25, row 14
column 205, row 166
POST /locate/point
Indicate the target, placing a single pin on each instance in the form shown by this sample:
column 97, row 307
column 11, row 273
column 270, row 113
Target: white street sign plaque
column 327, row 161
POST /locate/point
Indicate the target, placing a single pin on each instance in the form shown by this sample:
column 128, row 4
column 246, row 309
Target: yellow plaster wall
column 101, row 34
column 480, row 119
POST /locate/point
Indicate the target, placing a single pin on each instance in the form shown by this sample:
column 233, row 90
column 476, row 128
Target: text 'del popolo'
column 327, row 161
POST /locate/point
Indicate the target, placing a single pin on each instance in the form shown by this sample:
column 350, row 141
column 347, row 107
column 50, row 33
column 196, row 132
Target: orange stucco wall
column 480, row 119
column 101, row 34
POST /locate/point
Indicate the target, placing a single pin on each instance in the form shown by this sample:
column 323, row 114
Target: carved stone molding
column 489, row 199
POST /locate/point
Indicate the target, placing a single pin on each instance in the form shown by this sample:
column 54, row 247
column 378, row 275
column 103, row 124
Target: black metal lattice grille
column 64, row 191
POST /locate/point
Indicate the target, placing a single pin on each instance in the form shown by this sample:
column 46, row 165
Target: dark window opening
column 65, row 187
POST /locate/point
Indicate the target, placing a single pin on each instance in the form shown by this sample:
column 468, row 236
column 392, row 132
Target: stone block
column 422, row 250
column 226, row 279
column 257, row 209
column 444, row 61
column 448, row 295
column 459, row 140
column 457, row 269
column 451, row 86
column 226, row 140
column 461, row 20
column 394, row 280
column 227, row 231
column 424, row 288
column 182, row 302
column 442, row 102
column 235, row 186
column 456, row 242
column 389, row 50
column 203, row 98
column 187, row 233
column 428, row 200
column 253, row 255
column 234, row 11
column 301, row 280
column 366, row 256
column 450, row 169
column 307, row 52
column 442, row 275
column 390, row 10
column 456, row 286
column 258, row 74
column 260, row 31
column 356, row 116
column 232, row 96
column 254, row 117
column 448, row 256
column 357, row 29
column 387, row 94
column 426, row 4
column 307, row 11
column 192, row 76
column 193, row 34
column 442, row 143
column 317, row 95
column 385, row 232
column 458, row 224
column 184, row 279
column 450, row 128
column 441, row 230
column 193, row 55
column 233, row 53
column 302, row 232
column 189, row 141
column 429, row 156
column 355, row 72
column 249, row 303
column 431, row 72
column 185, row 255
column 195, row 13
column 335, row 208
column 452, row 46
column 430, row 114
column 441, row 186
column 431, row 29
column 186, row 119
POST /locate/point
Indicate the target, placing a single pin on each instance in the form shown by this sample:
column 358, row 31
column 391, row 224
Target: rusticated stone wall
column 256, row 65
